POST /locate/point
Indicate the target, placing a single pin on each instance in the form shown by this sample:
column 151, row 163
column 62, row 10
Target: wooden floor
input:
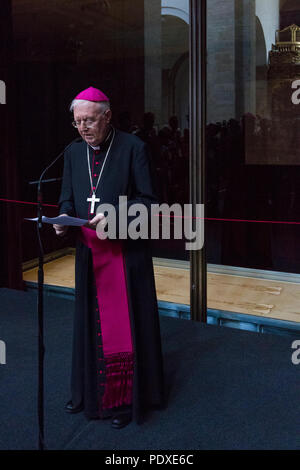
column 260, row 297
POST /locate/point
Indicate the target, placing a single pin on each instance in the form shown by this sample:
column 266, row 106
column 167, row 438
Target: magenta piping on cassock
column 112, row 299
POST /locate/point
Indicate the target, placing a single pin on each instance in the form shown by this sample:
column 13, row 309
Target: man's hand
column 60, row 230
column 98, row 219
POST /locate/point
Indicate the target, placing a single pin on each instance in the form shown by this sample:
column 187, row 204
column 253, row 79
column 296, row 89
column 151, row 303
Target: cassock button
column 95, row 174
column 97, row 163
column 97, row 152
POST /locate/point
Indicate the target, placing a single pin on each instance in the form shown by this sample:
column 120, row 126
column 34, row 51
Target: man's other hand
column 98, row 219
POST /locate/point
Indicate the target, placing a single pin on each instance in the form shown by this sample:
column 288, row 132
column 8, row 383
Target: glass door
column 253, row 155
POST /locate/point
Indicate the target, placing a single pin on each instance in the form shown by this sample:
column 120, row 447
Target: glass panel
column 253, row 129
column 136, row 51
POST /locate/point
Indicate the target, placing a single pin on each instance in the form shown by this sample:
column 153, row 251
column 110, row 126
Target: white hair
column 104, row 105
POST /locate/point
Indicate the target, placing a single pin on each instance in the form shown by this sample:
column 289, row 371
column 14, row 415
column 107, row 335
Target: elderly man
column 117, row 366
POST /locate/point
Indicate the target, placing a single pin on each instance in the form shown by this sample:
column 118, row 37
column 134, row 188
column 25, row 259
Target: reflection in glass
column 253, row 151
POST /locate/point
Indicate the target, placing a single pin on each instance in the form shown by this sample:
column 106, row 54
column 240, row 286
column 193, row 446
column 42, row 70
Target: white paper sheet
column 62, row 220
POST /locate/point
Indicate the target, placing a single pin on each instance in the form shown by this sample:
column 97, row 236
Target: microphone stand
column 40, row 319
column 40, row 300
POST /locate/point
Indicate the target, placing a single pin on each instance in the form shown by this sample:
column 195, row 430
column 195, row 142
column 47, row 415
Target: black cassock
column 125, row 173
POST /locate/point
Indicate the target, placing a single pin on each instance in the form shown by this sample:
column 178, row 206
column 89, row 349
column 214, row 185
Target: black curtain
column 10, row 236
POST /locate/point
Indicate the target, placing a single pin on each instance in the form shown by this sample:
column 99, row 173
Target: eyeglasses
column 88, row 123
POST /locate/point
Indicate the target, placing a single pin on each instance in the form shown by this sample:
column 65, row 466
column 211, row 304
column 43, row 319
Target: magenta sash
column 109, row 272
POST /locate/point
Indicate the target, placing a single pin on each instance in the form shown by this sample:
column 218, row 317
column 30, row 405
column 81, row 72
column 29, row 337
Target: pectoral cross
column 93, row 199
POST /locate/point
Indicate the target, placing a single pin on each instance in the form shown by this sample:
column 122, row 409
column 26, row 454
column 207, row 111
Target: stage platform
column 225, row 388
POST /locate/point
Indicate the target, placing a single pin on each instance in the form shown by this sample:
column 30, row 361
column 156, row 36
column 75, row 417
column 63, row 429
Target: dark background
column 49, row 51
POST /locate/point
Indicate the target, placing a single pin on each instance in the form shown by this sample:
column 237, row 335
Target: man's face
column 91, row 113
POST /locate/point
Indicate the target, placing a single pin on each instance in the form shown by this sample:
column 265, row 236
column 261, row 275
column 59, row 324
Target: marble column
column 231, row 67
column 220, row 60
